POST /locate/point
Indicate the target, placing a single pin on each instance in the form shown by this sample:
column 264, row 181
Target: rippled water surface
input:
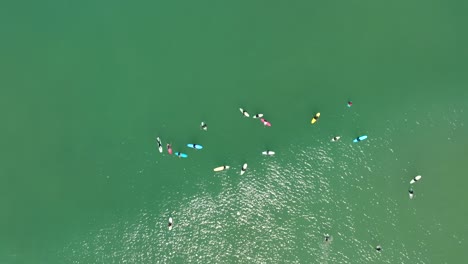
column 87, row 86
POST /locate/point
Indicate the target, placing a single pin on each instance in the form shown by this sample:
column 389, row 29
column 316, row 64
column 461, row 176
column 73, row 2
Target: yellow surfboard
column 315, row 118
column 221, row 168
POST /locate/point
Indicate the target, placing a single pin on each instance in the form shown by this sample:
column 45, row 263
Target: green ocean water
column 87, row 86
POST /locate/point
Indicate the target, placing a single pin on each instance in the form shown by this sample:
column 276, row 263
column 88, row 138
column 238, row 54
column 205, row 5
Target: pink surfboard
column 265, row 122
column 169, row 149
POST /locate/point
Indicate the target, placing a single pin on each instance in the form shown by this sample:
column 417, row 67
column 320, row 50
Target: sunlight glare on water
column 259, row 218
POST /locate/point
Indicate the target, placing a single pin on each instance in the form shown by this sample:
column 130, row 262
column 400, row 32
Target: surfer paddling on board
column 327, row 238
column 350, row 103
column 378, row 248
column 334, row 139
column 169, row 225
column 265, row 122
column 204, row 126
column 411, row 193
column 169, row 149
column 244, row 113
column 415, row 179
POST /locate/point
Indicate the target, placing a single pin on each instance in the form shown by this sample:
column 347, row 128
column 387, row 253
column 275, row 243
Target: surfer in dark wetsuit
column 204, row 126
column 327, row 238
column 378, row 248
column 170, row 224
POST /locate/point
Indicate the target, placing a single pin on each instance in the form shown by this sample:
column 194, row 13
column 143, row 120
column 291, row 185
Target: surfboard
column 169, row 149
column 315, row 118
column 334, row 139
column 159, row 144
column 181, row 155
column 170, row 223
column 268, row 152
column 415, row 179
column 244, row 112
column 258, row 116
column 221, row 168
column 361, row 138
column 195, row 146
column 244, row 168
column 265, row 122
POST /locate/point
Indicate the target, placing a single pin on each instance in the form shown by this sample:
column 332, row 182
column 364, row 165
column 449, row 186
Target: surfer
column 315, row 118
column 415, row 179
column 258, row 115
column 411, row 193
column 265, row 122
column 378, row 248
column 160, row 148
column 169, row 149
column 169, row 225
column 243, row 169
column 327, row 238
column 336, row 138
column 350, row 103
column 204, row 126
column 244, row 112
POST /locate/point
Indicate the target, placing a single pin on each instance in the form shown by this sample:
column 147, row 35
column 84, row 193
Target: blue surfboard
column 195, row 146
column 361, row 138
column 181, row 155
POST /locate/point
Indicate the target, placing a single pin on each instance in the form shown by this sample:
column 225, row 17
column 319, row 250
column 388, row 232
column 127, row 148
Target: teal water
column 87, row 87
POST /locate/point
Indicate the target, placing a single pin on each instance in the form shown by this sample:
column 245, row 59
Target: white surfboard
column 170, row 223
column 334, row 139
column 268, row 152
column 244, row 168
column 159, row 145
column 204, row 126
column 244, row 112
column 415, row 179
column 258, row 116
column 221, row 168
